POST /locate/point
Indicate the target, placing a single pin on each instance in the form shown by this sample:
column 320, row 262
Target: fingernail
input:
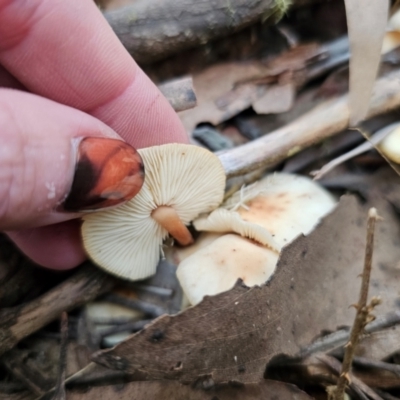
column 107, row 172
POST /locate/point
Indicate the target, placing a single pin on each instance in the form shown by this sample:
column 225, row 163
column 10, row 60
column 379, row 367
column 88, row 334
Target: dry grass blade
column 366, row 23
column 363, row 314
column 371, row 143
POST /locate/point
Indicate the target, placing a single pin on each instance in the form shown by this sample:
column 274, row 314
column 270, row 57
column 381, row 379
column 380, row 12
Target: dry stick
column 152, row 30
column 59, row 393
column 179, row 93
column 339, row 338
column 363, row 390
column 87, row 369
column 322, row 122
column 16, row 323
column 363, row 310
column 369, row 363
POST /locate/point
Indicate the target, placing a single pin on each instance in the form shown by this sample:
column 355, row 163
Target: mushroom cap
column 280, row 205
column 176, row 255
column 225, row 221
column 126, row 240
column 390, row 146
column 216, row 267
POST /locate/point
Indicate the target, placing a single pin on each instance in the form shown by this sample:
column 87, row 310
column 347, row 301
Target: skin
column 74, row 79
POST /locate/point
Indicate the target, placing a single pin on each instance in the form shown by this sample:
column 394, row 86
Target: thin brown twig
column 86, row 284
column 363, row 314
column 339, row 338
column 59, row 393
column 362, row 390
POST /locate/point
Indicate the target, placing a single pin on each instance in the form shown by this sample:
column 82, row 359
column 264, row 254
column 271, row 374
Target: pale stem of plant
column 363, row 315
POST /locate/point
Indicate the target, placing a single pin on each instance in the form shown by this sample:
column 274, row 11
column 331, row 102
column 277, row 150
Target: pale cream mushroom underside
column 216, row 267
column 280, row 207
column 181, row 182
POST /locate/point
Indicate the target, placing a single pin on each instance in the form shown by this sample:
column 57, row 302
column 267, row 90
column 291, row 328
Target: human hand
column 82, row 84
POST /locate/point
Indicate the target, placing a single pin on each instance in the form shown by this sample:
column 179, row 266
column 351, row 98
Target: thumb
column 56, row 162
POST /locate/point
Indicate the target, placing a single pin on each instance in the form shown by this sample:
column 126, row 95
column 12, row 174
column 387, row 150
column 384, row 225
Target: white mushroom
column 272, row 212
column 281, row 205
column 181, row 182
column 175, row 254
column 390, row 146
column 216, row 267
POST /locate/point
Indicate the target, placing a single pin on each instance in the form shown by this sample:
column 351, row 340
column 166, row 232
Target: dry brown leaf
column 277, row 99
column 224, row 90
column 366, row 22
column 266, row 390
column 233, row 335
column 213, row 83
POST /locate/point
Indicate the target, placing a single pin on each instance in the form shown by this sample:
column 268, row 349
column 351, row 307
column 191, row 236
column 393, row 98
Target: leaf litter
column 224, row 346
column 250, row 326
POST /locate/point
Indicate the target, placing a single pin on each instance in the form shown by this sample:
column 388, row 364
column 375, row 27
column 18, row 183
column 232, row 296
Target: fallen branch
column 179, row 93
column 363, row 315
column 322, row 122
column 362, row 390
column 16, row 323
column 152, row 30
column 339, row 338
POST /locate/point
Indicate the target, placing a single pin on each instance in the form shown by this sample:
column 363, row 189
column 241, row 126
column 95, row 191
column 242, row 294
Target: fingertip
column 142, row 115
column 56, row 246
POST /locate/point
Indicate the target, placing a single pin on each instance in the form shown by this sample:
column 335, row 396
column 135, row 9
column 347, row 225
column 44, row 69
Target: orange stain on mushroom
column 265, row 206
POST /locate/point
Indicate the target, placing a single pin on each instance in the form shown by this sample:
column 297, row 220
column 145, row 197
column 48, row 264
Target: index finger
column 67, row 52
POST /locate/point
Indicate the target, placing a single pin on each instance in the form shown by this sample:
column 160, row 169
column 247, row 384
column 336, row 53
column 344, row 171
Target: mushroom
column 175, row 254
column 390, row 145
column 279, row 207
column 181, row 182
column 216, row 267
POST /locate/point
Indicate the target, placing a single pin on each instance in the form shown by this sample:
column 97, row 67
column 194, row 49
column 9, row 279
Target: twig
column 339, row 338
column 87, row 369
column 179, row 93
column 147, row 308
column 356, row 384
column 366, row 362
column 59, row 393
column 363, row 314
column 324, row 121
column 128, row 327
column 156, row 290
column 19, row 322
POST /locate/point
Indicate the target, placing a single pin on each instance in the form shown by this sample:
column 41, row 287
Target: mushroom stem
column 168, row 218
